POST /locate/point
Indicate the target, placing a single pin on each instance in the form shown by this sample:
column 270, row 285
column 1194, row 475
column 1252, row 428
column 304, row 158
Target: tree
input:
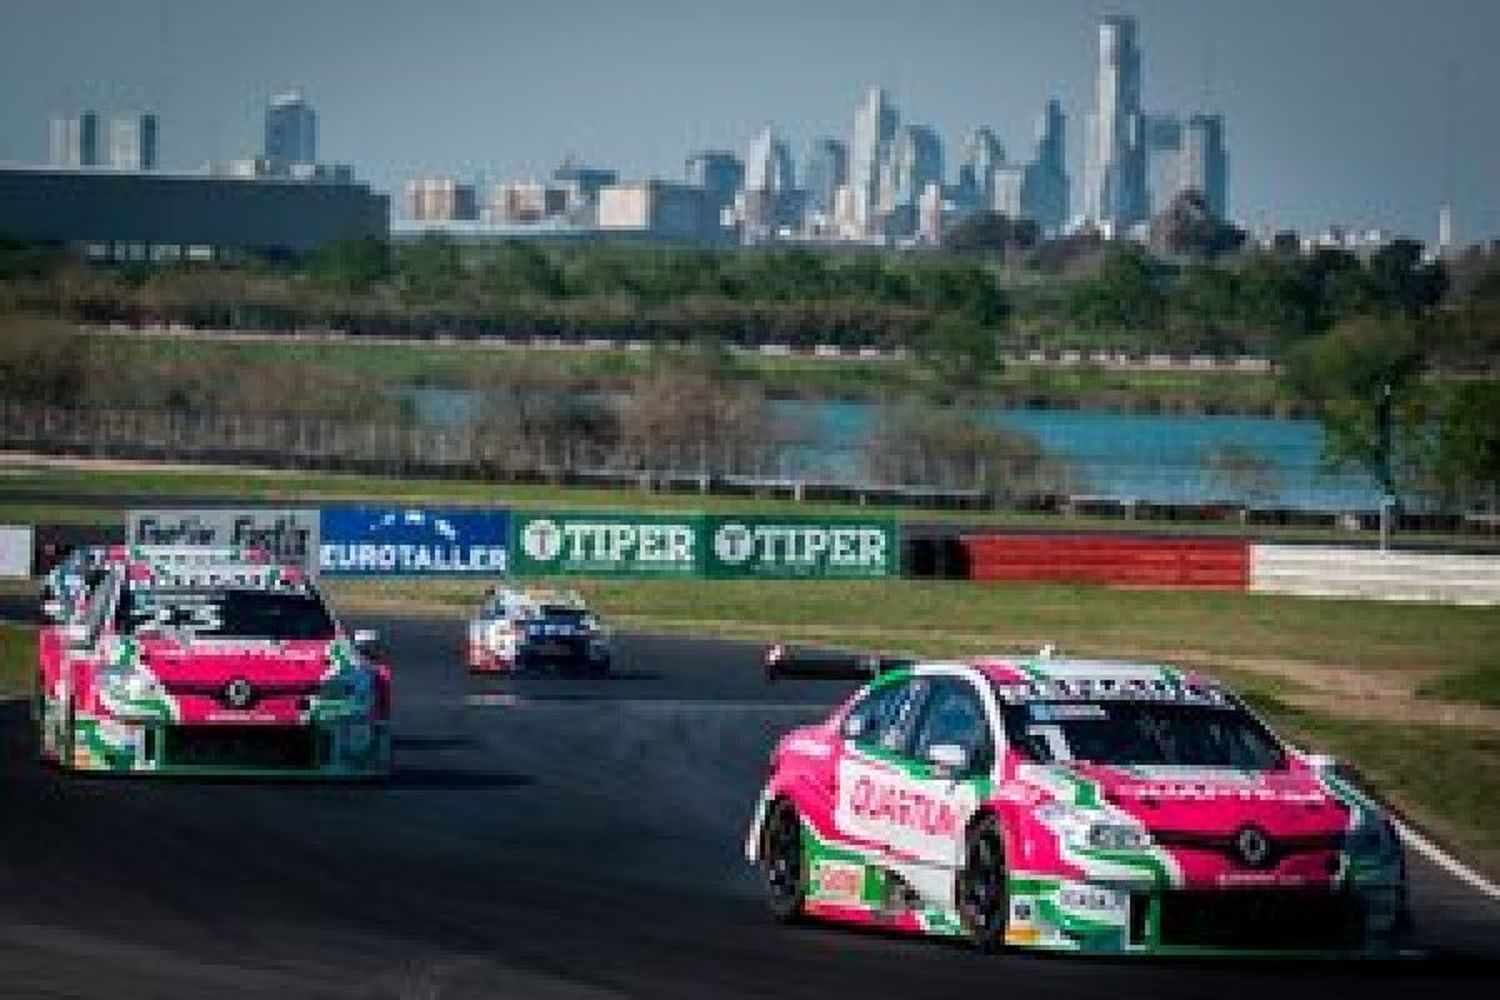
column 1403, row 281
column 1362, row 378
column 958, row 350
column 351, row 266
column 430, row 267
column 1468, row 458
column 916, row 442
column 1188, row 227
column 992, row 232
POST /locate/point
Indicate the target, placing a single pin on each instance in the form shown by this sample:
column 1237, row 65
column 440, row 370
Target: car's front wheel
column 782, row 862
column 983, row 901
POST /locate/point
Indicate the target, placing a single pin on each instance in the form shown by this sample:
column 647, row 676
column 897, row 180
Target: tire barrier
column 1368, row 574
column 1204, row 564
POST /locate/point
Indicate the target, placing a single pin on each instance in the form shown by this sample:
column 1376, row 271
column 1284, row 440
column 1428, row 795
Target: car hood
column 200, row 660
column 1290, row 802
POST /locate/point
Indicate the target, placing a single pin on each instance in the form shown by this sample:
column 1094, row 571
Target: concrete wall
column 1318, row 571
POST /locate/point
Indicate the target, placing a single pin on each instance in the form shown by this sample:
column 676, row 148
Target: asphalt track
column 544, row 837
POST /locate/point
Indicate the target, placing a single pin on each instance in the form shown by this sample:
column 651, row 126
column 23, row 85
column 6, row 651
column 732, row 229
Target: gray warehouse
column 137, row 216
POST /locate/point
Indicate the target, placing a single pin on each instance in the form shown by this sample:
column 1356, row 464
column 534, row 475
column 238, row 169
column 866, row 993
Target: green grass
column 17, row 659
column 1478, row 684
column 924, row 614
column 101, row 486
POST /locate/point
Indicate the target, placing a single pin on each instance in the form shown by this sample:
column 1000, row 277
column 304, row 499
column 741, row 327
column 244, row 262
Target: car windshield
column 1142, row 733
column 246, row 614
column 565, row 614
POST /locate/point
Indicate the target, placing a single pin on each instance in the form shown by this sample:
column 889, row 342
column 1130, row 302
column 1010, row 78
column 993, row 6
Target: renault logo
column 238, row 693
column 1253, row 846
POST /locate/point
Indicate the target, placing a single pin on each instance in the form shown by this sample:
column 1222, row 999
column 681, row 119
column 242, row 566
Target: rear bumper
column 343, row 748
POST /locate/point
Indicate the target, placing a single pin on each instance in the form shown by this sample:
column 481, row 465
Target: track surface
column 556, row 838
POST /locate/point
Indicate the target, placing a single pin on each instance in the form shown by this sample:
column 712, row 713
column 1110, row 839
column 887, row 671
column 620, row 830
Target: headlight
column 132, row 686
column 1117, row 837
column 1083, row 828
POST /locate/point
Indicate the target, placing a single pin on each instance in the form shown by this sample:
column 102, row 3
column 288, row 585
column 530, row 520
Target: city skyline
column 1311, row 169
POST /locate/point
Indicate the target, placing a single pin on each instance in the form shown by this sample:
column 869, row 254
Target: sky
column 1354, row 112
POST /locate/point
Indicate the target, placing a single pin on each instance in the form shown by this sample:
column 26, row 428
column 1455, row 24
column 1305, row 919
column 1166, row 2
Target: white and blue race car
column 519, row 629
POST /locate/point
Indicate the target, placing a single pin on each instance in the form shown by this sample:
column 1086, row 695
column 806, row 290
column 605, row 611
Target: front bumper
column 337, row 748
column 1103, row 918
column 589, row 654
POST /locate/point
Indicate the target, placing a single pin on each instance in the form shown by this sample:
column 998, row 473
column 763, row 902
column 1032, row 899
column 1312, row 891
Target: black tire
column 782, row 862
column 983, row 897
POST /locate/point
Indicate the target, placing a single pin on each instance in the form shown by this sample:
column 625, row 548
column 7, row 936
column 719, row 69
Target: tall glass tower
column 870, row 153
column 1115, row 165
column 291, row 130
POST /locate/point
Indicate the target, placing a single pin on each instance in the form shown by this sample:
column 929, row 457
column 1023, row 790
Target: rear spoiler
column 811, row 663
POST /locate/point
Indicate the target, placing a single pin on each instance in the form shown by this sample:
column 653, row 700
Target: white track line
column 1447, row 862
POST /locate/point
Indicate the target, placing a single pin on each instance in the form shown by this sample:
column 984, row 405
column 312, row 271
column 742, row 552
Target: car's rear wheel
column 782, row 862
column 983, row 901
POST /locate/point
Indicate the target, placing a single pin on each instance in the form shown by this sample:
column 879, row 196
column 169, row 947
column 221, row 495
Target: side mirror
column 367, row 641
column 76, row 637
column 1321, row 761
column 52, row 610
column 949, row 756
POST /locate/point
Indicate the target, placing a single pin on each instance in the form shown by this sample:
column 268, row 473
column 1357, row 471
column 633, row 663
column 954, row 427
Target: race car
column 214, row 668
column 66, row 587
column 518, row 629
column 1073, row 806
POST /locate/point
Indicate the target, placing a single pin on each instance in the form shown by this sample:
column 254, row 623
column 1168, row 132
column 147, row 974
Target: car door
column 869, row 778
column 952, row 755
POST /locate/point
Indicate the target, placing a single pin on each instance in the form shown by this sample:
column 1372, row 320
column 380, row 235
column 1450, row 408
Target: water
column 1164, row 458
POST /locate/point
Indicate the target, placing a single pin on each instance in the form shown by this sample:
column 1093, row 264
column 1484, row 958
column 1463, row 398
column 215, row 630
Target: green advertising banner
column 606, row 543
column 790, row 547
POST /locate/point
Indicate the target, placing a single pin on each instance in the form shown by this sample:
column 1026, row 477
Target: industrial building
column 122, row 215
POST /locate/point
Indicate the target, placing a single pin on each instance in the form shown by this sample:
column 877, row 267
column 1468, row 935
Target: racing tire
column 982, row 894
column 783, row 863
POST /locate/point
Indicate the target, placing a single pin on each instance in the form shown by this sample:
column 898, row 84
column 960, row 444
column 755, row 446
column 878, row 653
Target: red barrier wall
column 1212, row 564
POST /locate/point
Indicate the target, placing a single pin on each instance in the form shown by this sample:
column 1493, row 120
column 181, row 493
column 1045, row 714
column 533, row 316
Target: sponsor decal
column 1206, row 792
column 370, row 541
column 800, row 548
column 608, row 544
column 897, row 805
column 290, row 535
column 842, row 881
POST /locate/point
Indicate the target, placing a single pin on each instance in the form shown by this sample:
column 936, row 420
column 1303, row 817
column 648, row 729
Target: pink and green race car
column 182, row 666
column 1073, row 806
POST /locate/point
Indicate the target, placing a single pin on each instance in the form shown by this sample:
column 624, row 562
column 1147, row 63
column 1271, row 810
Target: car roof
column 537, row 595
column 1048, row 677
column 148, row 574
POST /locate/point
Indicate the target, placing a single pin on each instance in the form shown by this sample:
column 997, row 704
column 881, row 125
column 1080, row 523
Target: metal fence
column 787, row 467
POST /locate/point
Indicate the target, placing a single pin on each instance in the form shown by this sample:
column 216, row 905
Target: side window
column 97, row 611
column 955, row 715
column 883, row 717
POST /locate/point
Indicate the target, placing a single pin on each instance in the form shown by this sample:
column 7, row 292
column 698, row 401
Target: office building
column 133, row 143
column 531, row 202
column 138, row 215
column 916, row 162
column 981, row 154
column 1115, row 196
column 875, row 123
column 825, row 170
column 291, row 131
column 717, row 171
column 585, row 182
column 439, row 199
column 75, row 141
column 1047, row 181
column 659, row 210
column 1204, row 162
column 770, row 201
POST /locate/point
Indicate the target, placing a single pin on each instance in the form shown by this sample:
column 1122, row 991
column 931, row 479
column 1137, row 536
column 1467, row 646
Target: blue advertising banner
column 420, row 541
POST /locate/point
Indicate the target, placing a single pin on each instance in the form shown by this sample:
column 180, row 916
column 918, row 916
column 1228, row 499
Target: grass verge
column 17, row 660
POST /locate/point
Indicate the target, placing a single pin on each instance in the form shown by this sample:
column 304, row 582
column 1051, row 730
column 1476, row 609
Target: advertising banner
column 289, row 534
column 793, row 547
column 421, row 541
column 607, row 543
column 15, row 551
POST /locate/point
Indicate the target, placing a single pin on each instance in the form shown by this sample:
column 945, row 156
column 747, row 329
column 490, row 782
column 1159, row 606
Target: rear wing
column 783, row 662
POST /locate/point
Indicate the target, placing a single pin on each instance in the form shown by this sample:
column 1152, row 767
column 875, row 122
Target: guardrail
column 1328, row 571
column 1143, row 562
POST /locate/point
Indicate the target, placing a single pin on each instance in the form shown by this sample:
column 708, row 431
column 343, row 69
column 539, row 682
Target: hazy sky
column 1337, row 110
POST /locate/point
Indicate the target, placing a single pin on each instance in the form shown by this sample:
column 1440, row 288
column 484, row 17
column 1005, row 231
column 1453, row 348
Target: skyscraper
column 770, row 199
column 916, row 162
column 1204, row 163
column 133, row 143
column 823, row 172
column 717, row 171
column 291, row 131
column 982, row 153
column 1114, row 188
column 75, row 141
column 874, row 132
column 1047, row 180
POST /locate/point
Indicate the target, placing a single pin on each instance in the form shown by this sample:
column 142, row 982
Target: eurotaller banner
column 610, row 543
